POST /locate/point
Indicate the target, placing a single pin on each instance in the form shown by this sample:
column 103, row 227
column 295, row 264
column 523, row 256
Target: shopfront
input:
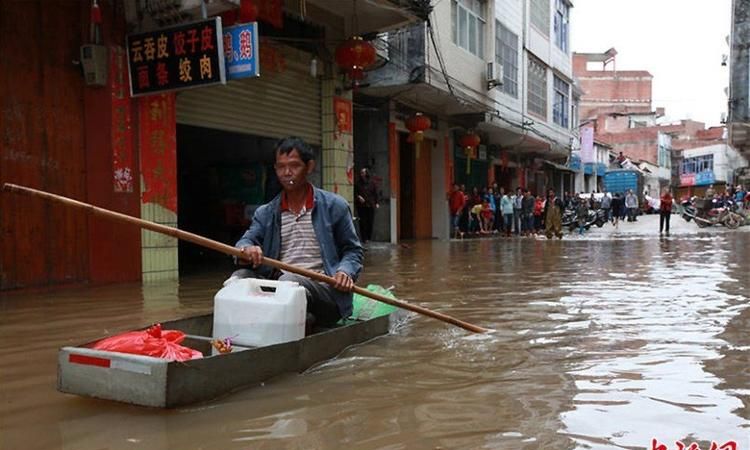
column 226, row 137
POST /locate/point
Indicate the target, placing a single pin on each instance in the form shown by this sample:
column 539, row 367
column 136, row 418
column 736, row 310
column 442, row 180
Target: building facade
column 618, row 104
column 501, row 70
column 199, row 158
column 738, row 122
column 705, row 159
column 608, row 90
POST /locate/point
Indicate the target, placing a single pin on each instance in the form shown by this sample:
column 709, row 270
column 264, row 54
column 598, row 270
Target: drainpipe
column 524, row 69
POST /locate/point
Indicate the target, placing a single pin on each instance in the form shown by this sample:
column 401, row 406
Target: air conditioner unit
column 494, row 75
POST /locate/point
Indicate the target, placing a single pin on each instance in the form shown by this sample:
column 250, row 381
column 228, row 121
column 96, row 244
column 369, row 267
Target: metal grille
column 273, row 105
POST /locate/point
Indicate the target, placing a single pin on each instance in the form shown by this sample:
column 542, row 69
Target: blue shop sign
column 703, row 178
column 241, row 51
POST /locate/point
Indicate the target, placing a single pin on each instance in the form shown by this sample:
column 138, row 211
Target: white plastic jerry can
column 258, row 312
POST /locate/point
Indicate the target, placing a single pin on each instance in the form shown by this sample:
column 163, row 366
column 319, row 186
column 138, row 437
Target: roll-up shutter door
column 276, row 104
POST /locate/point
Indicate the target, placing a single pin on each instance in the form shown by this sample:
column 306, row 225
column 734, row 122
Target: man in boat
column 306, row 227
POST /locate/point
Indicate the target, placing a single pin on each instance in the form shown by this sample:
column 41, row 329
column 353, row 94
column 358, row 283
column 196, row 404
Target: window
column 664, row 158
column 697, row 164
column 688, row 166
column 561, row 107
column 562, row 11
column 468, row 25
column 540, row 16
column 506, row 55
column 705, row 163
column 537, row 89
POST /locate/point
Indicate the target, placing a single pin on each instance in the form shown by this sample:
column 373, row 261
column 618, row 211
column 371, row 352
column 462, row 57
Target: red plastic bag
column 151, row 342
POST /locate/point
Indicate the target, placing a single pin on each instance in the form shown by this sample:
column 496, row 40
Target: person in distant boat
column 309, row 228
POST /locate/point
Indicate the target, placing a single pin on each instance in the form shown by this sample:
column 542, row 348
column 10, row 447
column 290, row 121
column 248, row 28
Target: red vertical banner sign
column 342, row 108
column 158, row 143
column 448, row 155
column 122, row 136
column 342, row 111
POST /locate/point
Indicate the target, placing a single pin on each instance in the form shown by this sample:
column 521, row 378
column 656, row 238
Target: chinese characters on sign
column 697, row 179
column 176, row 58
column 342, row 108
column 342, row 112
column 687, row 179
column 158, row 143
column 122, row 136
column 241, row 51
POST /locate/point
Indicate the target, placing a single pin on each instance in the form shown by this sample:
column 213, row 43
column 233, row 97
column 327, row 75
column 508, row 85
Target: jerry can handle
column 256, row 285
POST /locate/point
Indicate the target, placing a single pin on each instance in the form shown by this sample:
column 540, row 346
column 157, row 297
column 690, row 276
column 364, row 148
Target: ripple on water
column 595, row 343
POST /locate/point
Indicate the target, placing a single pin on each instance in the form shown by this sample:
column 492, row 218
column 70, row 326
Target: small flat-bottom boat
column 156, row 382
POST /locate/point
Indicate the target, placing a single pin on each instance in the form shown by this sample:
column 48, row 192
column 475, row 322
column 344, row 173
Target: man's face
column 291, row 170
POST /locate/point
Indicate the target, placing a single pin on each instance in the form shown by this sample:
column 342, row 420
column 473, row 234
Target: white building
column 714, row 164
column 589, row 177
column 501, row 68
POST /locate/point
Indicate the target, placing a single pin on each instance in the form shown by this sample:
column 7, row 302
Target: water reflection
column 597, row 344
column 654, row 325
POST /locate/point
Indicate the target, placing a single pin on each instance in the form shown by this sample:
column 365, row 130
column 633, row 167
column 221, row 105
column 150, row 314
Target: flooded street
column 599, row 343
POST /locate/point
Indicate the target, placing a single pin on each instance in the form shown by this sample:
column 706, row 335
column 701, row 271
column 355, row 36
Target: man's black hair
column 286, row 145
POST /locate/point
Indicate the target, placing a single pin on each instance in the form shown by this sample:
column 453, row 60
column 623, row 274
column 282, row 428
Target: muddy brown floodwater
column 598, row 343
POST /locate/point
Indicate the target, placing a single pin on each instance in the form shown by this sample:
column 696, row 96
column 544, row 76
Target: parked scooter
column 596, row 217
column 702, row 212
column 601, row 218
column 569, row 219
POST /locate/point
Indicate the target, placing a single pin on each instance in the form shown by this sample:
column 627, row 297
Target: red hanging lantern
column 417, row 124
column 354, row 56
column 469, row 141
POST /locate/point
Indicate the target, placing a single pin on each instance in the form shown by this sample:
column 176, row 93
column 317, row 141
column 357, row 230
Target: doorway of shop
column 504, row 178
column 415, row 193
column 222, row 178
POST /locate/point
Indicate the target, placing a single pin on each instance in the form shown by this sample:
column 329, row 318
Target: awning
column 559, row 167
